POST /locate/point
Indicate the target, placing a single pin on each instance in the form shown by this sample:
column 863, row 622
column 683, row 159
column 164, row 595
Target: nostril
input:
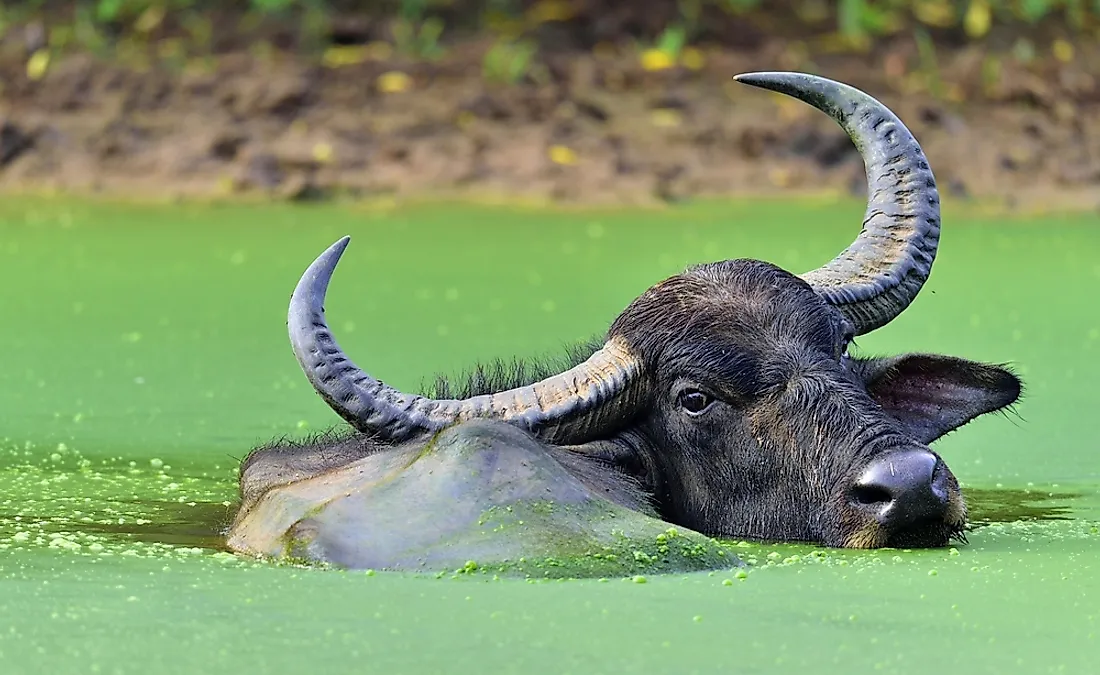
column 902, row 487
column 870, row 495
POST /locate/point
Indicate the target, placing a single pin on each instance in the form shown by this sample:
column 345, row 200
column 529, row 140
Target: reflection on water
column 204, row 524
column 200, row 526
column 1004, row 505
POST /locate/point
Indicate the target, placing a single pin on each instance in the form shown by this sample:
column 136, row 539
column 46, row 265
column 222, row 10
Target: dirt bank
column 584, row 128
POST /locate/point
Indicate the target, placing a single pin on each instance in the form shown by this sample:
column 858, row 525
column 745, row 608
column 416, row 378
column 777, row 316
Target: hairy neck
column 503, row 374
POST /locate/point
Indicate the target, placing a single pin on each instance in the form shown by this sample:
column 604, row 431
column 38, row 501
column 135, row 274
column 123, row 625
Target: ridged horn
column 570, row 407
column 880, row 274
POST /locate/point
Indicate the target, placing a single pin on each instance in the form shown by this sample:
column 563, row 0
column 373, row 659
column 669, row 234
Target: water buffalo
column 721, row 403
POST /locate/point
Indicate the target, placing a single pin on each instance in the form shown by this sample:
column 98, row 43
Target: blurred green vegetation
column 423, row 29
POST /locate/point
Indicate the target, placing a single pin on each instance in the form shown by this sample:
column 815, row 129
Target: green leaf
column 108, row 10
column 672, row 40
column 1033, row 10
column 850, row 17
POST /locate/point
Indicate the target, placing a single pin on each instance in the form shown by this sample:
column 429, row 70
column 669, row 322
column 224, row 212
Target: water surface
column 145, row 352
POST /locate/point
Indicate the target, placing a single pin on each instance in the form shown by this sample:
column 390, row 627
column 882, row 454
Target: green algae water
column 145, row 352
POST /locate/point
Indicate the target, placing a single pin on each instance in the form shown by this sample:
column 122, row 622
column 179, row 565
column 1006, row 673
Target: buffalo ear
column 932, row 395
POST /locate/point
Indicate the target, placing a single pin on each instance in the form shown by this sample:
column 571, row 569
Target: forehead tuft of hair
column 732, row 296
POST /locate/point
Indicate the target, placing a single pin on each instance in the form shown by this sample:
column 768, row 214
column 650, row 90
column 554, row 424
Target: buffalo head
column 727, row 392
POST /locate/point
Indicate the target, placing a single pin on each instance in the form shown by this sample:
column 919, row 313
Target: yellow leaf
column 322, row 152
column 560, row 154
column 663, row 117
column 38, row 64
column 934, row 13
column 344, row 55
column 655, row 59
column 149, row 19
column 977, row 18
column 692, row 58
column 1063, row 51
column 393, row 82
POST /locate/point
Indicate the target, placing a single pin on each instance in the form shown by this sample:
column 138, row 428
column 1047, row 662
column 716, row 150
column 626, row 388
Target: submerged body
column 721, row 402
column 482, row 491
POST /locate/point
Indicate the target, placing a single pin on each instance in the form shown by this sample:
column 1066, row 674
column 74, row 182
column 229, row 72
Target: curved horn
column 873, row 280
column 569, row 407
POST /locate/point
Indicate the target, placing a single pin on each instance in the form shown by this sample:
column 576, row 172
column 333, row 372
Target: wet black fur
column 794, row 420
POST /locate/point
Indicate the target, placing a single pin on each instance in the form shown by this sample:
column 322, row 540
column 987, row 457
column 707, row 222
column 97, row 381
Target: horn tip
column 331, row 256
column 309, row 294
column 782, row 81
column 761, row 76
column 747, row 78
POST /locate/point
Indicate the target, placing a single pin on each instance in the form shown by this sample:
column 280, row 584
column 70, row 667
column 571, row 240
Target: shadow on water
column 200, row 526
column 204, row 524
column 1003, row 505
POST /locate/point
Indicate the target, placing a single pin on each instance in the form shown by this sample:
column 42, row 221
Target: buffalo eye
column 695, row 402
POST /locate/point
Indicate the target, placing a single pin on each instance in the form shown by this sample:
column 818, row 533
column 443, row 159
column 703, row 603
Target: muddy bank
column 584, row 128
